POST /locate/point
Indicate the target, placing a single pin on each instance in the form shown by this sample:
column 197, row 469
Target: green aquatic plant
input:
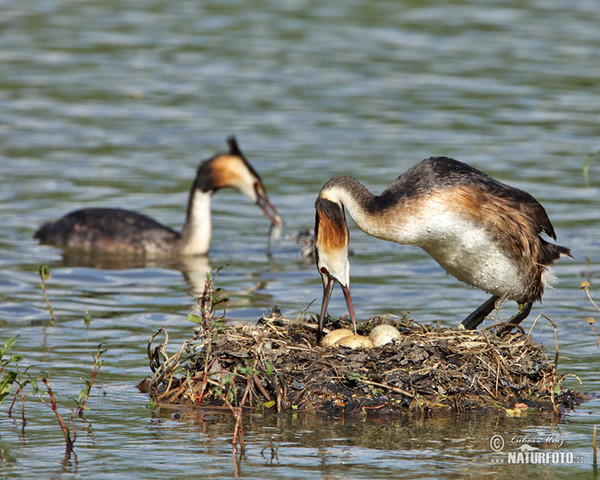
column 87, row 318
column 69, row 440
column 79, row 403
column 15, row 376
column 11, row 374
column 207, row 302
column 81, row 400
column 44, row 272
column 188, row 375
column 9, row 377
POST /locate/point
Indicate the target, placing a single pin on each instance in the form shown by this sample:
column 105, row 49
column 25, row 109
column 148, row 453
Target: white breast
column 469, row 253
column 464, row 249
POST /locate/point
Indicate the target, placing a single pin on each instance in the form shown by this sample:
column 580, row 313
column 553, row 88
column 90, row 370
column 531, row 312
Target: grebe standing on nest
column 483, row 232
column 118, row 230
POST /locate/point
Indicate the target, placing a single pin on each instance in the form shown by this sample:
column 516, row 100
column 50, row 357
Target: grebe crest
column 113, row 229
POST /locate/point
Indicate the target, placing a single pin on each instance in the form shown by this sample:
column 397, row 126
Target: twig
column 273, row 451
column 207, row 360
column 61, row 422
column 389, row 387
column 497, row 379
column 585, row 285
column 555, row 340
column 534, row 322
column 262, row 389
column 238, row 423
column 591, row 322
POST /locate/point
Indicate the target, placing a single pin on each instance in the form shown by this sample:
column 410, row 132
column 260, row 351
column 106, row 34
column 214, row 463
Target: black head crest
column 234, row 149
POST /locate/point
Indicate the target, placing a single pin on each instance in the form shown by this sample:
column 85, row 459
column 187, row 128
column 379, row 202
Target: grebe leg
column 524, row 309
column 475, row 318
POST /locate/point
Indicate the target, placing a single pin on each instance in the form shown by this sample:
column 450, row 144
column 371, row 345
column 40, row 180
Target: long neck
column 358, row 201
column 197, row 230
column 380, row 216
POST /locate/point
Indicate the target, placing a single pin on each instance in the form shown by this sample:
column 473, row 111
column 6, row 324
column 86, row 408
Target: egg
column 354, row 341
column 383, row 334
column 334, row 336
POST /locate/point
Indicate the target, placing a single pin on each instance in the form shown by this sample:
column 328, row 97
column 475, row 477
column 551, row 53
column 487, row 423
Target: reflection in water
column 390, row 444
column 72, row 257
column 194, row 268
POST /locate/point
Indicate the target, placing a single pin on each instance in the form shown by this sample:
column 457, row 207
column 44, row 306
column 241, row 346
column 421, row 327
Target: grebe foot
column 524, row 309
column 475, row 318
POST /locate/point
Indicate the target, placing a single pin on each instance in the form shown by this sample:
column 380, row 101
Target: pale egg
column 383, row 334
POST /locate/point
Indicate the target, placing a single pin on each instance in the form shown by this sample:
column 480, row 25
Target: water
column 114, row 104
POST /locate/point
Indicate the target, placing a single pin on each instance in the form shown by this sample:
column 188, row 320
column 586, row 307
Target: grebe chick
column 114, row 229
column 482, row 231
column 306, row 240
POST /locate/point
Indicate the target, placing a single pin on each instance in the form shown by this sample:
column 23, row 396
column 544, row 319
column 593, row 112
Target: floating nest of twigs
column 279, row 364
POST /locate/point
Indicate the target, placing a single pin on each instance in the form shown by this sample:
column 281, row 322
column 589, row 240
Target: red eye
column 324, row 270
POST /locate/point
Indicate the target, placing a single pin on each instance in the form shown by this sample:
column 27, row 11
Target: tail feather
column 550, row 252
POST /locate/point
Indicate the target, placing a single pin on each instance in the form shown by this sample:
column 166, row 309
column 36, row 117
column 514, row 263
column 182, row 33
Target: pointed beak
column 327, row 291
column 268, row 209
column 348, row 298
column 276, row 220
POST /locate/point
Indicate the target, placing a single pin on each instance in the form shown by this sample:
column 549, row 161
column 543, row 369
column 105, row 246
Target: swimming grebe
column 482, row 231
column 114, row 229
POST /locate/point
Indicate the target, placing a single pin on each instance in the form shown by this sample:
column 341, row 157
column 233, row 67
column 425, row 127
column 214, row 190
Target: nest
column 278, row 364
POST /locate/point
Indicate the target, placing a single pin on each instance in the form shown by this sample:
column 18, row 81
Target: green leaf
column 7, row 345
column 84, row 392
column 34, row 385
column 192, row 317
column 246, row 370
column 16, row 358
column 6, row 384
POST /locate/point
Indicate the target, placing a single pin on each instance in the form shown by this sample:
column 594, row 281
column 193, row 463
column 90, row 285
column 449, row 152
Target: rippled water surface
column 115, row 104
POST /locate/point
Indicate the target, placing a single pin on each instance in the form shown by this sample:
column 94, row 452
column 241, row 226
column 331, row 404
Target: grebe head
column 331, row 252
column 233, row 170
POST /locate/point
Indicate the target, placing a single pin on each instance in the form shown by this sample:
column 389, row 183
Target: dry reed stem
column 388, row 387
column 585, row 285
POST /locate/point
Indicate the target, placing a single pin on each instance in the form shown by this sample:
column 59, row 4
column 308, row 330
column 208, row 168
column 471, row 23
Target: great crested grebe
column 113, row 229
column 482, row 231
